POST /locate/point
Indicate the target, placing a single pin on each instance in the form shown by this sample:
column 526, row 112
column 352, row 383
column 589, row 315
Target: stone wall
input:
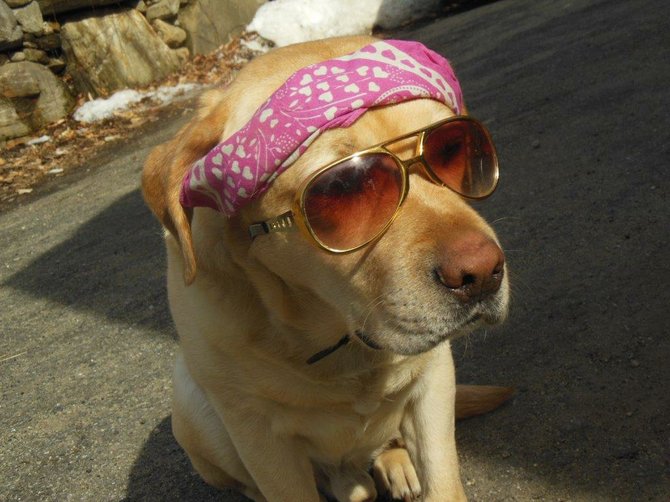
column 103, row 45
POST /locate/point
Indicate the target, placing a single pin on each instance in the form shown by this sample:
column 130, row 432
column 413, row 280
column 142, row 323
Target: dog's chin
column 425, row 336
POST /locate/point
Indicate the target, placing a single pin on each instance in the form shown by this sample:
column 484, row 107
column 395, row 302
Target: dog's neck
column 293, row 319
column 315, row 358
column 341, row 343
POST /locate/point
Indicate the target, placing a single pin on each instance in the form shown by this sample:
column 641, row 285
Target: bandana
column 325, row 95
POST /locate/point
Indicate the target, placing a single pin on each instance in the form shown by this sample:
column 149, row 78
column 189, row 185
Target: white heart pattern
column 379, row 73
column 334, row 93
column 326, row 96
column 330, row 112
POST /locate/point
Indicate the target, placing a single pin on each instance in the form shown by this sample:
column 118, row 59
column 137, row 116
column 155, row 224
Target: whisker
column 505, row 218
column 370, row 308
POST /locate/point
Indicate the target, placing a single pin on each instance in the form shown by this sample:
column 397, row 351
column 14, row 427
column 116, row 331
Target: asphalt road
column 576, row 96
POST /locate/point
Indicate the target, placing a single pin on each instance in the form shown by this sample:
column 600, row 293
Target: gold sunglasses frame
column 297, row 217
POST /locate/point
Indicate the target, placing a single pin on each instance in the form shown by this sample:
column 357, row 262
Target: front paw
column 349, row 484
column 395, row 476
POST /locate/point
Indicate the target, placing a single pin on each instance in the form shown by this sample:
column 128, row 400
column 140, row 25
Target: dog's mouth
column 413, row 335
column 363, row 337
column 407, row 340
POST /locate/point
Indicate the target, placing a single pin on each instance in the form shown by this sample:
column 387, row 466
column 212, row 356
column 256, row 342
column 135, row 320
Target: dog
column 307, row 372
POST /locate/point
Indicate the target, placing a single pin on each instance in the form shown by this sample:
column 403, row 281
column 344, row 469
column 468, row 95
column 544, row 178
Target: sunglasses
column 353, row 201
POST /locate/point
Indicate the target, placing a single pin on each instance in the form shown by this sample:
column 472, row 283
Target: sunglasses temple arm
column 277, row 224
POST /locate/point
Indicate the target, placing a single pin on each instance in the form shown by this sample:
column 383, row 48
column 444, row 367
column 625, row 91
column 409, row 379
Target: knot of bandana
column 325, row 95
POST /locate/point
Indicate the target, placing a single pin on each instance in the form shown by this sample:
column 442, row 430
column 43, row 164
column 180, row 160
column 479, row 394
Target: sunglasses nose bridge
column 417, row 164
column 409, row 164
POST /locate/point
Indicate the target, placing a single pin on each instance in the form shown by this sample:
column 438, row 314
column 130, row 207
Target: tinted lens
column 462, row 156
column 349, row 204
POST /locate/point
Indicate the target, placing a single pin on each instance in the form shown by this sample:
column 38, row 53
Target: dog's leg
column 278, row 464
column 234, row 444
column 429, row 433
column 200, row 432
column 395, row 475
column 350, row 484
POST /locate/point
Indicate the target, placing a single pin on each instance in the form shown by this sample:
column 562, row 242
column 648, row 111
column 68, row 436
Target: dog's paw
column 349, row 485
column 395, row 475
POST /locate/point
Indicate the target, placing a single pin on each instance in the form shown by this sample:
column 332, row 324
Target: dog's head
column 437, row 272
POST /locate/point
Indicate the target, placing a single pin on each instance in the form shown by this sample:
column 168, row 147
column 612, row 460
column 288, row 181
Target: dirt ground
column 66, row 145
column 575, row 95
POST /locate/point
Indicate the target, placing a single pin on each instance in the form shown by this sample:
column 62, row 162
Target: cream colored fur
column 248, row 410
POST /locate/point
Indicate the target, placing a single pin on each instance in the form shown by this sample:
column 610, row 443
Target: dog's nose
column 472, row 267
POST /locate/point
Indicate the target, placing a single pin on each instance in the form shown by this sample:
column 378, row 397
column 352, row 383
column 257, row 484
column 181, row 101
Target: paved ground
column 575, row 94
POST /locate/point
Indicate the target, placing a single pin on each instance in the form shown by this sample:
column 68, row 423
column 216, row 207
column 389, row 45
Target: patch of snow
column 167, row 94
column 255, row 45
column 104, row 108
column 39, row 141
column 291, row 21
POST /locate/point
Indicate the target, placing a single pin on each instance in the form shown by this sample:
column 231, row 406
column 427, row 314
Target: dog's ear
column 166, row 167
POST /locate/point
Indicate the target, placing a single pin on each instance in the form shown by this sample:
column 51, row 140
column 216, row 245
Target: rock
column 56, row 65
column 164, row 9
column 51, row 7
column 17, row 3
column 141, row 6
column 115, row 51
column 183, row 54
column 17, row 57
column 174, row 37
column 37, row 97
column 36, row 55
column 12, row 87
column 30, row 18
column 11, row 125
column 208, row 22
column 49, row 42
column 11, row 34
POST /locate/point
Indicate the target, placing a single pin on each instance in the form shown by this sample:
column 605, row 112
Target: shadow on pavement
column 163, row 472
column 114, row 265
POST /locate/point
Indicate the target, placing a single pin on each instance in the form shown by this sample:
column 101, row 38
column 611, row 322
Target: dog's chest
column 363, row 414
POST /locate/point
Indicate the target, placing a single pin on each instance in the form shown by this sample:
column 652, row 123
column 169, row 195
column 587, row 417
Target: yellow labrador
column 308, row 375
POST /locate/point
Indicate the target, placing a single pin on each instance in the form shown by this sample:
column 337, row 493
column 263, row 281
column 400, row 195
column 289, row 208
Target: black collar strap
column 343, row 341
column 326, row 352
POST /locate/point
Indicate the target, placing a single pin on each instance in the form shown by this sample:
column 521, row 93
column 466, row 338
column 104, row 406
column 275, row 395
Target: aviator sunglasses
column 349, row 203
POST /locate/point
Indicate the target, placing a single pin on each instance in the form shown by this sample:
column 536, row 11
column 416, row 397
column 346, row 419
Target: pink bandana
column 333, row 93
